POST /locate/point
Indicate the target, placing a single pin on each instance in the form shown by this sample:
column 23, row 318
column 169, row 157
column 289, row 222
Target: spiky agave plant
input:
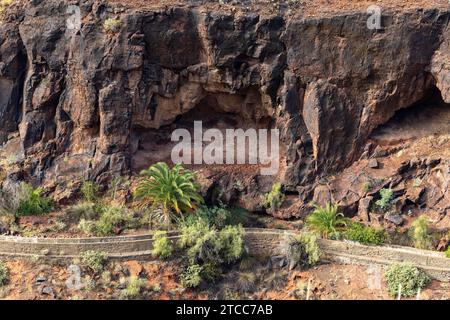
column 326, row 221
column 174, row 190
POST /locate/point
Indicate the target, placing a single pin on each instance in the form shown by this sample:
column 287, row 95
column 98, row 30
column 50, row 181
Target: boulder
column 364, row 208
column 394, row 218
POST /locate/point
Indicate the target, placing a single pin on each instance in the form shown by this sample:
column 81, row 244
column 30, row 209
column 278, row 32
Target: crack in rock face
column 100, row 98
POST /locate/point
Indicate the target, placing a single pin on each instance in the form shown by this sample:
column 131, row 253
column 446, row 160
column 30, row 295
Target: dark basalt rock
column 81, row 100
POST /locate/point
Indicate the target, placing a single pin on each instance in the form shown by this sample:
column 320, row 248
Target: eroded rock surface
column 93, row 103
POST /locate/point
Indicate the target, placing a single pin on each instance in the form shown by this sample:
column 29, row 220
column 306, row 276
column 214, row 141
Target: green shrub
column 87, row 226
column 246, row 281
column 419, row 233
column 367, row 186
column 190, row 233
column 447, row 252
column 175, row 190
column 230, row 244
column 217, row 216
column 111, row 218
column 94, row 260
column 208, row 249
column 303, row 250
column 408, row 276
column 191, row 277
column 365, row 235
column 326, row 221
column 134, row 288
column 32, row 201
column 90, row 192
column 238, row 215
column 4, row 274
column 112, row 25
column 84, row 210
column 386, row 201
column 213, row 216
column 162, row 246
column 207, row 245
column 275, row 198
column 210, row 272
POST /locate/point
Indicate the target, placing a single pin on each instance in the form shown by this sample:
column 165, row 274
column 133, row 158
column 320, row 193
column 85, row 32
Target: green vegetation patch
column 407, row 277
column 326, row 221
column 94, row 260
column 33, row 202
column 4, row 274
column 162, row 246
column 366, row 235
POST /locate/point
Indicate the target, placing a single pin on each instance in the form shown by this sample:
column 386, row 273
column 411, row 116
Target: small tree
column 174, row 189
column 326, row 221
column 419, row 233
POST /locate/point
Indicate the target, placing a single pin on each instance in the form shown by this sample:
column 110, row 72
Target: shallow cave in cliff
column 428, row 117
column 215, row 111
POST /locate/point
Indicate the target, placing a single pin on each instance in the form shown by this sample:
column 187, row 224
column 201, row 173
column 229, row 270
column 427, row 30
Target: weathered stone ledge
column 263, row 242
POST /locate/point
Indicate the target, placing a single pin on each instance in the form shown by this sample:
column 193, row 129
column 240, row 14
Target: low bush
column 246, row 281
column 208, row 249
column 210, row 272
column 275, row 198
column 419, row 233
column 447, row 252
column 4, row 274
column 212, row 246
column 217, row 216
column 32, row 201
column 190, row 233
column 386, row 200
column 406, row 275
column 87, row 226
column 230, row 244
column 213, row 216
column 111, row 220
column 112, row 25
column 303, row 250
column 326, row 221
column 134, row 288
column 162, row 246
column 90, row 191
column 365, row 235
column 191, row 277
column 84, row 210
column 94, row 260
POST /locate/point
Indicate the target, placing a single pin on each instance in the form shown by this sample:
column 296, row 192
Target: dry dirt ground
column 34, row 280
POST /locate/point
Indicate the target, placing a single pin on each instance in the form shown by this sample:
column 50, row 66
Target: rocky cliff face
column 97, row 102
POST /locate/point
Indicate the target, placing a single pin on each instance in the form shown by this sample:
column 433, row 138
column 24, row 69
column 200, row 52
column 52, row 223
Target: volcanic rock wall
column 72, row 102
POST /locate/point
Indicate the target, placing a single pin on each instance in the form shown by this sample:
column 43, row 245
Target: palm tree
column 173, row 189
column 326, row 221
